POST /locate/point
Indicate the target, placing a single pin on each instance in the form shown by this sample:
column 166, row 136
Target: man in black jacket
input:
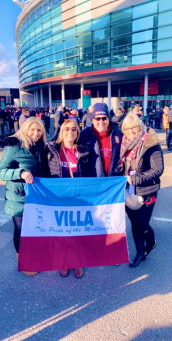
column 103, row 140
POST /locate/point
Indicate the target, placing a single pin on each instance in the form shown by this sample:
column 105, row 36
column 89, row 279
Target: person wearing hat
column 103, row 140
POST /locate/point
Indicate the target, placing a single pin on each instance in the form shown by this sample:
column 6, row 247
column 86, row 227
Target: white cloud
column 8, row 69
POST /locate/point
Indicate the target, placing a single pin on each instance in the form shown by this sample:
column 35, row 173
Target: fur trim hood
column 10, row 141
column 152, row 139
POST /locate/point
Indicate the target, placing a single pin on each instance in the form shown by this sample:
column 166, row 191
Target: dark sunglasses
column 70, row 128
column 104, row 118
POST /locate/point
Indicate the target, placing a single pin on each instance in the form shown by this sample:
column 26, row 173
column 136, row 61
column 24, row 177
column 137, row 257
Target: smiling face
column 34, row 132
column 131, row 131
column 101, row 123
column 69, row 133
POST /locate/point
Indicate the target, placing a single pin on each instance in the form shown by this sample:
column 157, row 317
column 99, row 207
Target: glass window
column 165, row 18
column 101, row 65
column 56, row 10
column 56, row 28
column 142, row 59
column 119, row 16
column 142, row 36
column 70, row 70
column 58, row 47
column 38, row 22
column 85, row 49
column 40, row 53
column 85, row 38
column 101, row 22
column 142, row 48
column 56, row 20
column 49, row 58
column 86, row 57
column 47, row 33
column 46, row 16
column 47, row 41
column 57, row 37
column 164, row 56
column 69, row 33
column 84, row 67
column 122, row 28
column 102, row 45
column 70, row 43
column 48, row 50
column 145, row 9
column 84, row 27
column 72, row 61
column 38, row 29
column 102, row 34
column 121, row 40
column 165, row 5
column 59, row 64
column 165, row 44
column 46, row 24
column 165, row 32
column 143, row 24
column 59, row 55
column 71, row 52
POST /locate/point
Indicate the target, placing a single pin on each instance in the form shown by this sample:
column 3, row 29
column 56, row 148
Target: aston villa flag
column 73, row 223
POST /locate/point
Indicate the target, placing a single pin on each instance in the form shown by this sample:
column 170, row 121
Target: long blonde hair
column 21, row 134
column 60, row 137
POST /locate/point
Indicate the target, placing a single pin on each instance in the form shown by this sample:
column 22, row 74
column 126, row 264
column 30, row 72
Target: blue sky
column 9, row 12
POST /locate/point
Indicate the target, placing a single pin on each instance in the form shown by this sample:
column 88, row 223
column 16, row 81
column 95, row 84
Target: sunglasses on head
column 70, row 128
column 104, row 118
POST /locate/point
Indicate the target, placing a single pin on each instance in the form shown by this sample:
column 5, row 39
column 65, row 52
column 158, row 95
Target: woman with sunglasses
column 141, row 160
column 67, row 159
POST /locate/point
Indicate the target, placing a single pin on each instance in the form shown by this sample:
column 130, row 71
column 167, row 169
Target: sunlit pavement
column 113, row 303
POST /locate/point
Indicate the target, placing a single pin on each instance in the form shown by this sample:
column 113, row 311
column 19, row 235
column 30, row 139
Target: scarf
column 131, row 151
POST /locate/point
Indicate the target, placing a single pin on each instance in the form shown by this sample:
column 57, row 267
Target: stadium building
column 78, row 52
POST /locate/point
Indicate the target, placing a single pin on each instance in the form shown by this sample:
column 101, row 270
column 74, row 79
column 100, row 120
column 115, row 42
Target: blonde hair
column 21, row 134
column 132, row 118
column 60, row 138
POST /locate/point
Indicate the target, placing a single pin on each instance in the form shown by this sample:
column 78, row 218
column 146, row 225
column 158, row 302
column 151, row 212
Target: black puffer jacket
column 89, row 139
column 83, row 167
column 150, row 167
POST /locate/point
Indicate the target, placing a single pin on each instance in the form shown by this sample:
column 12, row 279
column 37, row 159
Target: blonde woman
column 23, row 158
column 141, row 160
column 67, row 159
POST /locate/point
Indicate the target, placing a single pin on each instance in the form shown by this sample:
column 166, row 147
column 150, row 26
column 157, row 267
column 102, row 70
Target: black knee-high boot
column 149, row 237
column 140, row 247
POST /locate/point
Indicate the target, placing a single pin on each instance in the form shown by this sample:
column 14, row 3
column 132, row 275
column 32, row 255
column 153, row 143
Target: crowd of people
column 105, row 145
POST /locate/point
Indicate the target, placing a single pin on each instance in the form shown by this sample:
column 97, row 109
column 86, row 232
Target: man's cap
column 100, row 109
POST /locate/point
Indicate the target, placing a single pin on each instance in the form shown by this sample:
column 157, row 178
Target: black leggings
column 17, row 232
column 142, row 231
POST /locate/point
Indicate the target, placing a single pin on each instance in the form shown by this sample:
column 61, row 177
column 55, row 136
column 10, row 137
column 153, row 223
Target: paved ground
column 113, row 303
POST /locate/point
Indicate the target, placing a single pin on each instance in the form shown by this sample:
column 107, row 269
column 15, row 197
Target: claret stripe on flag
column 73, row 223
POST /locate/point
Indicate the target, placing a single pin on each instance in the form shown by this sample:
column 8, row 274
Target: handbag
column 133, row 201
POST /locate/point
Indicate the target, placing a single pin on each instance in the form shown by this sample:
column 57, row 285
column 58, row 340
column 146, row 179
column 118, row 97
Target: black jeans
column 143, row 233
column 17, row 232
column 168, row 137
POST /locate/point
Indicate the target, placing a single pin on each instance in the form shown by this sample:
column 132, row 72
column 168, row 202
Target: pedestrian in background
column 23, row 117
column 58, row 120
column 87, row 118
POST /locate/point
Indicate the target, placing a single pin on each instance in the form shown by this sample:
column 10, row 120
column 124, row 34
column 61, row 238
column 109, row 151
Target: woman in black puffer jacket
column 67, row 159
column 141, row 160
